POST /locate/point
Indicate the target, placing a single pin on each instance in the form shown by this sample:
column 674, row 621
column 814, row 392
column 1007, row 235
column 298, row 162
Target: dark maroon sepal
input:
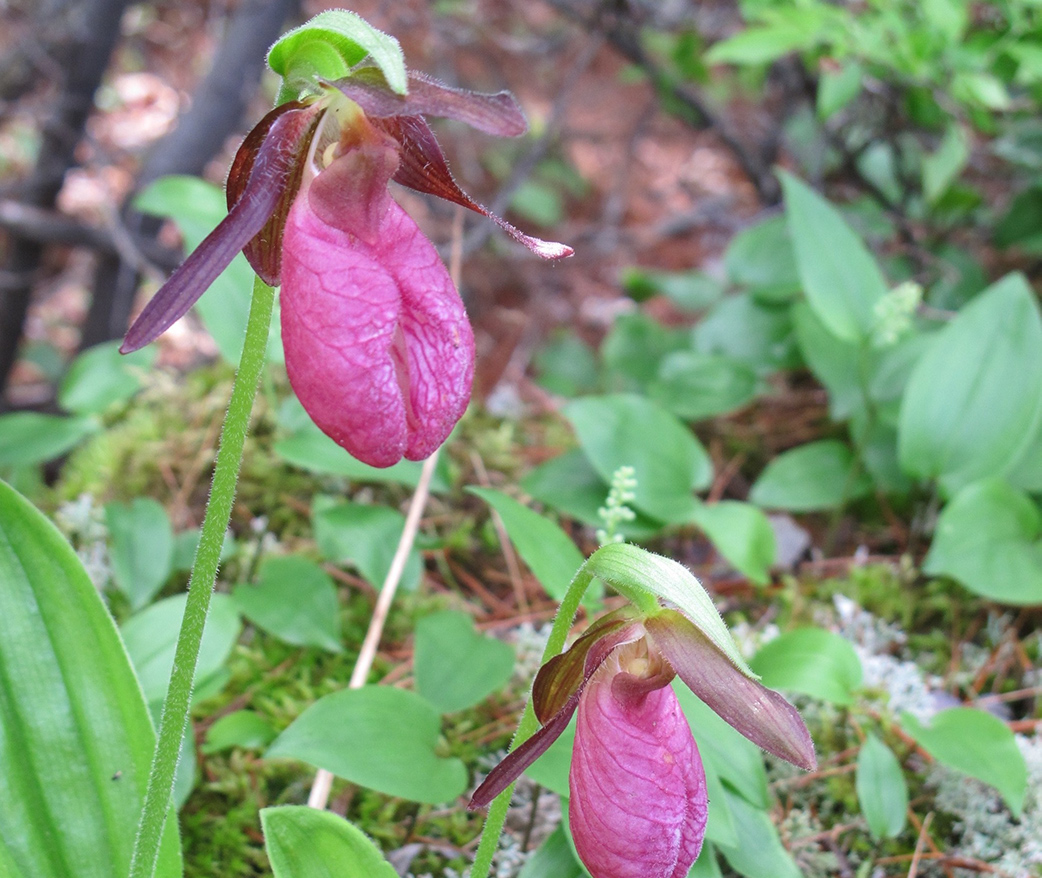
column 759, row 713
column 260, row 196
column 264, row 250
column 496, row 114
column 423, row 167
column 565, row 674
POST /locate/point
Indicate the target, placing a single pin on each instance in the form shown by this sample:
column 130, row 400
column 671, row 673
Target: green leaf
column 377, row 736
column 761, row 45
column 101, row 376
column 761, row 259
column 989, row 538
column 975, row 743
column 634, row 348
column 688, row 290
column 971, row 407
column 28, row 438
column 737, row 760
column 840, row 277
column 837, row 88
column 456, row 666
column 303, row 842
column 836, row 363
column 942, row 167
column 881, row 789
column 628, row 430
column 312, row 450
column 570, row 484
column 242, row 728
column 547, row 550
column 333, row 42
column 76, row 741
column 197, row 207
column 813, row 661
column 695, row 386
column 761, row 853
column 367, row 537
column 742, row 534
column 566, row 365
column 142, row 550
column 294, row 599
column 818, row 475
column 151, row 637
column 752, row 332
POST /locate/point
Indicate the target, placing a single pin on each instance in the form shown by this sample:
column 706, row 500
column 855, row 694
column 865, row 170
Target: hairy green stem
column 200, row 588
column 497, row 811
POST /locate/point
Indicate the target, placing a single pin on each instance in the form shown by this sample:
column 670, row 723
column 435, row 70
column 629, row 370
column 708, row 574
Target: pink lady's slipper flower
column 378, row 346
column 638, row 803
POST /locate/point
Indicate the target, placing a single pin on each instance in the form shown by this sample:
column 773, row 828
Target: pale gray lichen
column 984, row 827
column 82, row 521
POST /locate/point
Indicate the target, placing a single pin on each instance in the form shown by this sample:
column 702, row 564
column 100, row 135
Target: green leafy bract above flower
column 327, row 47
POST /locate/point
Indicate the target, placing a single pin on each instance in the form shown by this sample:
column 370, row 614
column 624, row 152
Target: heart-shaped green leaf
column 456, row 666
column 818, row 475
column 379, row 737
column 307, row 842
column 975, row 743
column 989, row 537
column 142, row 549
column 741, row 533
column 367, row 537
column 627, row 430
column 813, row 661
column 151, row 638
column 294, row 599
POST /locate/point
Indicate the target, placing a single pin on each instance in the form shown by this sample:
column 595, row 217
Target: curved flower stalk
column 378, row 346
column 638, row 802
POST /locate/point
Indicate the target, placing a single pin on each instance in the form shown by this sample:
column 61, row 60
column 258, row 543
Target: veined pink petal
column 638, row 803
column 378, row 346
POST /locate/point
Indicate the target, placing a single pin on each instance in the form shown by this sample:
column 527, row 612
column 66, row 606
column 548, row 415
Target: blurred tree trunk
column 216, row 112
column 94, row 29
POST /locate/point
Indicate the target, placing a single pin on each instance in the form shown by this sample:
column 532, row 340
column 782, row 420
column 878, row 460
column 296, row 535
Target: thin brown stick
column 323, row 783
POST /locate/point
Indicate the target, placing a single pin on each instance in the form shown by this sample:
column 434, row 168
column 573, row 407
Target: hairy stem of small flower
column 497, row 811
column 204, row 575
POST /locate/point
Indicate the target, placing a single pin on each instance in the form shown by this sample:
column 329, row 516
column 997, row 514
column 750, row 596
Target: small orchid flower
column 638, row 804
column 378, row 346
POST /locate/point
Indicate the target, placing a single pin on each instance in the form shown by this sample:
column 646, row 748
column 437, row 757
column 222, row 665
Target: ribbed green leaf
column 75, row 737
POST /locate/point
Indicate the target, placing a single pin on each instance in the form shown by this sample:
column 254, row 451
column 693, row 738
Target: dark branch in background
column 218, row 107
column 94, row 34
column 618, row 24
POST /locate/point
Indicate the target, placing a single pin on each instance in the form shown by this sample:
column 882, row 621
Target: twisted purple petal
column 271, row 168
